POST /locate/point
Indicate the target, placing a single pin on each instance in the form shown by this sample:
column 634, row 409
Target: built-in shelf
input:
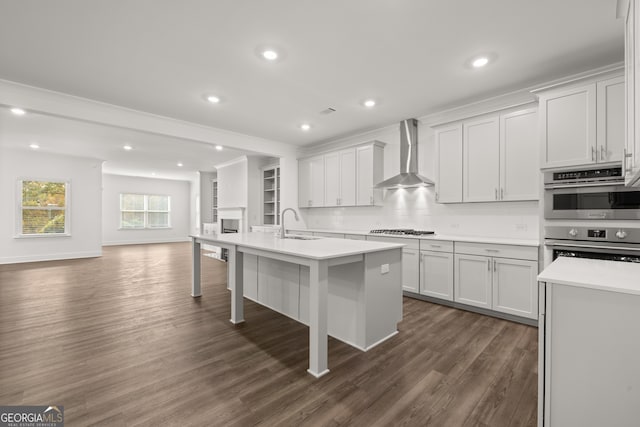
column 271, row 195
column 214, row 203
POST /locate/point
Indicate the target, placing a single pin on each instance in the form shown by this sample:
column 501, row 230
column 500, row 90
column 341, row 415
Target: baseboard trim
column 146, row 242
column 49, row 257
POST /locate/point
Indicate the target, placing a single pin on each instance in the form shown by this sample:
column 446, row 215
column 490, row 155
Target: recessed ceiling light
column 34, row 146
column 219, row 147
column 270, row 54
column 480, row 62
column 213, row 99
column 180, row 164
column 128, row 147
column 153, row 174
column 305, row 126
column 18, row 111
column 369, row 103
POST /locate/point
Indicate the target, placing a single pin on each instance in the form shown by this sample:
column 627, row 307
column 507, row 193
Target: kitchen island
column 350, row 290
column 589, row 341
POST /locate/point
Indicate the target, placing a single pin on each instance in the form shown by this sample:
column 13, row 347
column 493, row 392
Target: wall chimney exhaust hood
column 408, row 176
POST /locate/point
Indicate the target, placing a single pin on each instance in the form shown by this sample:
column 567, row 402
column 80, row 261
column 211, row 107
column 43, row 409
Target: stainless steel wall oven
column 590, row 194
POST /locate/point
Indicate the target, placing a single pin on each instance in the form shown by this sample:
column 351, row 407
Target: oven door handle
column 581, row 185
column 596, row 248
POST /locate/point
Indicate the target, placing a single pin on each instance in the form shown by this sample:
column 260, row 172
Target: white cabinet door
column 304, row 183
column 519, row 150
column 347, row 177
column 568, row 121
column 369, row 171
column 436, row 274
column 332, row 179
column 631, row 161
column 515, row 287
column 410, row 270
column 317, row 181
column 449, row 164
column 611, row 126
column 481, row 159
column 472, row 280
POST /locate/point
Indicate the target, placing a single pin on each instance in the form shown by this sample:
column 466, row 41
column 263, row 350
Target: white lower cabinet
column 473, row 280
column 410, row 270
column 514, row 287
column 436, row 274
column 497, row 277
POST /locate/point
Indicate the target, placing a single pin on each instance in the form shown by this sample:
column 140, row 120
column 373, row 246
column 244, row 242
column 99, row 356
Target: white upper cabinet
column 332, row 179
column 317, row 181
column 481, row 159
column 569, row 127
column 448, row 178
column 610, row 113
column 583, row 125
column 342, row 178
column 311, row 182
column 631, row 161
column 488, row 158
column 369, row 172
column 347, row 177
column 304, row 184
column 519, row 171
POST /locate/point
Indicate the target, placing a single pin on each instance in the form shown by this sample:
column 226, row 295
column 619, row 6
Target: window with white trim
column 139, row 211
column 43, row 208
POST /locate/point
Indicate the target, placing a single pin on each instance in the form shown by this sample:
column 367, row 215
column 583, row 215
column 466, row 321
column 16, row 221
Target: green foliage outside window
column 43, row 207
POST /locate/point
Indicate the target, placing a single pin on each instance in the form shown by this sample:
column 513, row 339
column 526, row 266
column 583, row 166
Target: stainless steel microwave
column 589, row 194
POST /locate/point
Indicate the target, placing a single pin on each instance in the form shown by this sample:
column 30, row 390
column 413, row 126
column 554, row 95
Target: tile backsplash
column 416, row 208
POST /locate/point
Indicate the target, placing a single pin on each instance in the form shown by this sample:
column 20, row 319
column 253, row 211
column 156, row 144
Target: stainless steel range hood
column 408, row 176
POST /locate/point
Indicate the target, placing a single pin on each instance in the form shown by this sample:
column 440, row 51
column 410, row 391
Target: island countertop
column 599, row 274
column 318, row 248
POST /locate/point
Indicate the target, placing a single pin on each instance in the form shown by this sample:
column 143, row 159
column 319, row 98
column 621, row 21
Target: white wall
column 179, row 191
column 416, row 208
column 84, row 175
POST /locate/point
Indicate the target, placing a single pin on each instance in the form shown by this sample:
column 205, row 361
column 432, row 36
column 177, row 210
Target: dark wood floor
column 118, row 340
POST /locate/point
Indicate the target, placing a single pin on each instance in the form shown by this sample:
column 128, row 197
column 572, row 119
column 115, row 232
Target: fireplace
column 230, row 220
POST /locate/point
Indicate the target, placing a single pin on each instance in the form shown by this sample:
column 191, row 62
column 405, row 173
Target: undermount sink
column 300, row 237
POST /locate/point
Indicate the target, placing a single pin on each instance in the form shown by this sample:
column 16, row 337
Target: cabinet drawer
column 503, row 251
column 411, row 243
column 436, row 245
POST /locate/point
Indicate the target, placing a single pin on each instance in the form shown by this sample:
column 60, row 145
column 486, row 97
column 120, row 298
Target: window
column 43, row 208
column 144, row 211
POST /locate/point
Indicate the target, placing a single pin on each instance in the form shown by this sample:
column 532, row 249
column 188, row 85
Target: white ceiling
column 163, row 56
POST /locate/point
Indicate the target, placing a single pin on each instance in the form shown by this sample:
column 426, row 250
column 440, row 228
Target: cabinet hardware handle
column 371, row 199
column 593, row 153
column 436, row 246
column 492, row 250
column 436, row 196
column 603, row 153
column 625, row 156
column 494, row 265
column 501, row 193
column 488, row 265
column 496, row 193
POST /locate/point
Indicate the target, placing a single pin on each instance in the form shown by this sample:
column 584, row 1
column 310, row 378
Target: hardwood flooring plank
column 119, row 341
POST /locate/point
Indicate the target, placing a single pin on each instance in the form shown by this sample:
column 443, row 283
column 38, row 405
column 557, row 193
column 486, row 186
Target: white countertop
column 449, row 237
column 614, row 276
column 319, row 248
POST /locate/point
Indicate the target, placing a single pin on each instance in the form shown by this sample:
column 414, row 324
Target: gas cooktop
column 402, row 232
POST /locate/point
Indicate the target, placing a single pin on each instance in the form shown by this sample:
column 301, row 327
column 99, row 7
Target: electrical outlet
column 384, row 268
